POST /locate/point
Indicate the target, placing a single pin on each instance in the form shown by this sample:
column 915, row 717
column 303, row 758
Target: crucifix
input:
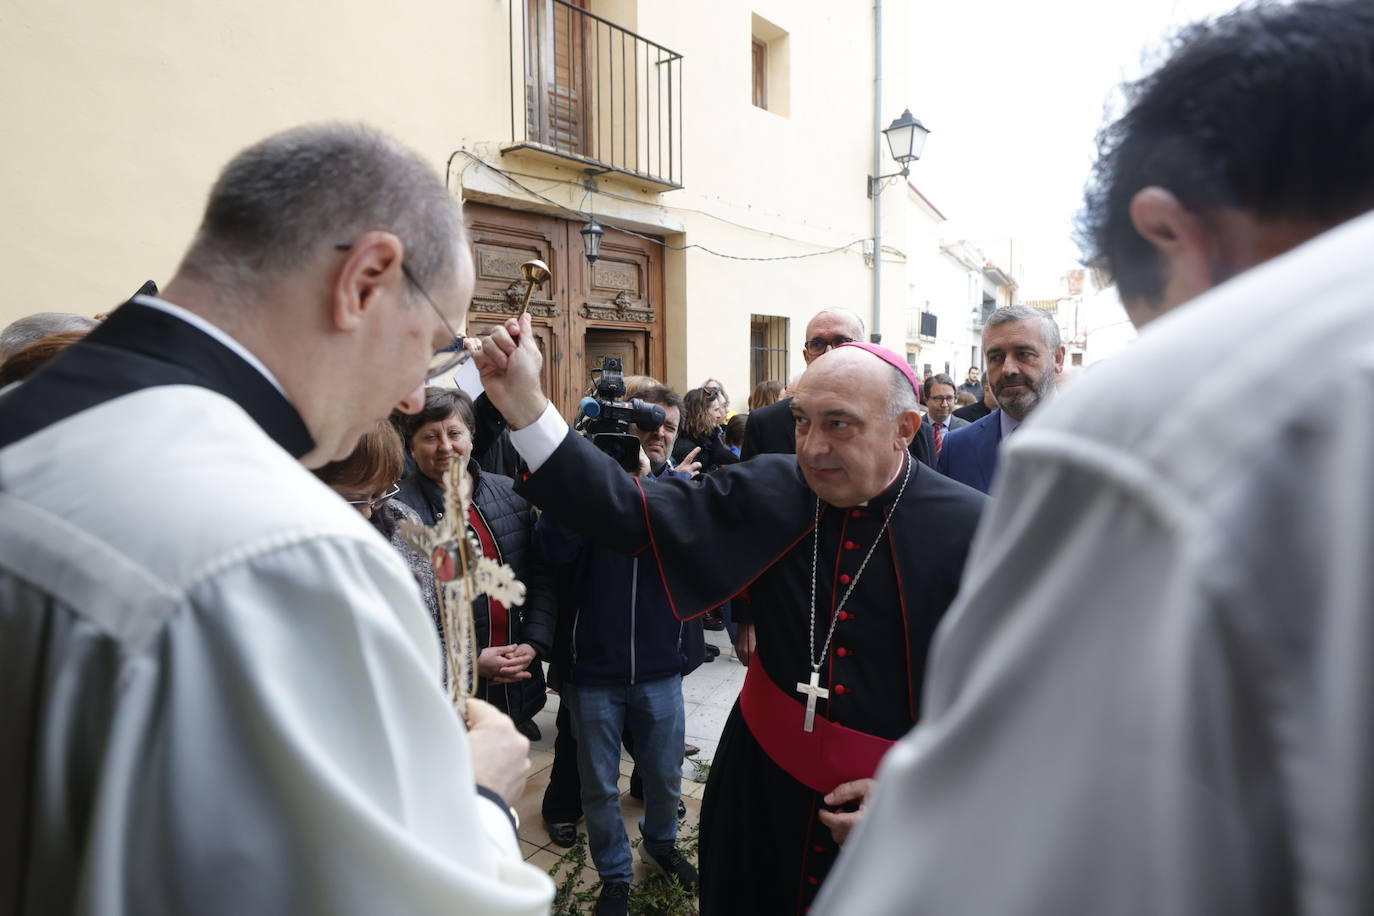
column 812, row 691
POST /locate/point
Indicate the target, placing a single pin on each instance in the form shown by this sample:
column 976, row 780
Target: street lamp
column 591, row 240
column 906, row 139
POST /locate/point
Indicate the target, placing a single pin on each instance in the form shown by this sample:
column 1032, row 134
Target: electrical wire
column 674, row 207
column 649, row 238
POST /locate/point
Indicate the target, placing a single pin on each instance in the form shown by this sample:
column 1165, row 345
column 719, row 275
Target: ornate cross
column 812, row 691
column 461, row 574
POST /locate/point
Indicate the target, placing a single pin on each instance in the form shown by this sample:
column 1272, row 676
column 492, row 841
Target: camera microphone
column 589, row 407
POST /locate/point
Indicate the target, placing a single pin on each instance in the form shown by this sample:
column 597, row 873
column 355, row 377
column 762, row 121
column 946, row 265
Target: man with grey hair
column 236, row 708
column 849, row 551
column 1023, row 354
column 30, row 329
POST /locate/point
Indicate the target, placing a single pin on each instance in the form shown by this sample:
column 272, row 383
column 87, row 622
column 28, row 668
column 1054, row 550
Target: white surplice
column 221, row 689
column 1155, row 693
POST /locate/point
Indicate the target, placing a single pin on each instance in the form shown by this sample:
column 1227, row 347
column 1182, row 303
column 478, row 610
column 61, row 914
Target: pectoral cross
column 812, row 691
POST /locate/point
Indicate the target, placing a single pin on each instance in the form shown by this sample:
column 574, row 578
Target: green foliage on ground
column 656, row 895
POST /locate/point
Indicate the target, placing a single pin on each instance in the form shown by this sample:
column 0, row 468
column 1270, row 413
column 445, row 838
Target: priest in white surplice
column 222, row 693
column 1154, row 692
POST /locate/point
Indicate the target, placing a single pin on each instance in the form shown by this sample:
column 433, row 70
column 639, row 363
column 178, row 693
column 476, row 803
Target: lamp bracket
column 876, row 185
column 589, row 183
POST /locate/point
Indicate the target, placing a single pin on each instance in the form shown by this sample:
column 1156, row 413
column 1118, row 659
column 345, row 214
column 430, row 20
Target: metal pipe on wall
column 876, row 334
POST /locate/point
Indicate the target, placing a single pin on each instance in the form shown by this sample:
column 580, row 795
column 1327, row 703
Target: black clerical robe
column 749, row 528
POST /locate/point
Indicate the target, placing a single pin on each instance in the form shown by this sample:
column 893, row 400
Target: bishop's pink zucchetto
column 892, row 359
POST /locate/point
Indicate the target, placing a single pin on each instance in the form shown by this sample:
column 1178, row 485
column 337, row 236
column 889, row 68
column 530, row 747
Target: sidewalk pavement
column 707, row 694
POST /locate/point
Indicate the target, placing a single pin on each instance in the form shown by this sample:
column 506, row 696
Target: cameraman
column 620, row 655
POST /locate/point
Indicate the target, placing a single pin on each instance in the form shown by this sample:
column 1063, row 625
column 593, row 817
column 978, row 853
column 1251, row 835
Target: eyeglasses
column 942, row 398
column 818, row 345
column 375, row 502
column 445, row 359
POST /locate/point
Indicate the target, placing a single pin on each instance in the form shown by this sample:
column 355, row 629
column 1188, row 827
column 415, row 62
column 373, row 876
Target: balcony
column 585, row 90
column 921, row 325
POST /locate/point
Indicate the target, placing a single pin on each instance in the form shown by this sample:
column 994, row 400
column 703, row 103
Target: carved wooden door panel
column 630, row 346
column 501, row 241
column 618, row 303
column 614, row 307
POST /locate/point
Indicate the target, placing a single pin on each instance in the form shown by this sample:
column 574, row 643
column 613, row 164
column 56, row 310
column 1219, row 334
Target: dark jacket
column 714, row 452
column 970, row 454
column 511, row 521
column 615, row 625
column 973, row 412
column 770, row 430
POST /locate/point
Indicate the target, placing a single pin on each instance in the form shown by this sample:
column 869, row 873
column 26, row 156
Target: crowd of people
column 1012, row 646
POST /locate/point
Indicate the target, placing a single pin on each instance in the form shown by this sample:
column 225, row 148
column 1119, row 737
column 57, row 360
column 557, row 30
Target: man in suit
column 771, row 429
column 939, row 392
column 1024, row 356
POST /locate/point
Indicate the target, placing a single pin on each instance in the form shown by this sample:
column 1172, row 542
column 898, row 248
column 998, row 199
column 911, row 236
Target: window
column 769, row 70
column 767, row 349
column 760, row 74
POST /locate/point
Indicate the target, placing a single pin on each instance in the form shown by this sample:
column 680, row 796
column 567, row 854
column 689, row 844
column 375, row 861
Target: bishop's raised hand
column 509, row 361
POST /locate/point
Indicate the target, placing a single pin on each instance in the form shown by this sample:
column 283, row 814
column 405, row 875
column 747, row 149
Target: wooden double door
column 584, row 311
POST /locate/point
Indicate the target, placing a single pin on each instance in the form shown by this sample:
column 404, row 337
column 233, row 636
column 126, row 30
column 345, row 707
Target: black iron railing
column 585, row 88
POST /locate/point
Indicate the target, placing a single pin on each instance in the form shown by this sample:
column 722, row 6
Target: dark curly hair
column 1269, row 109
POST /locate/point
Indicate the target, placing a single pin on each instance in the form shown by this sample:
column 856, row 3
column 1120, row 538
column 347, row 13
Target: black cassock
column 749, row 528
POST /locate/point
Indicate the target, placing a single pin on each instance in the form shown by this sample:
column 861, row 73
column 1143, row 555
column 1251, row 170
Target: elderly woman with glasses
column 511, row 641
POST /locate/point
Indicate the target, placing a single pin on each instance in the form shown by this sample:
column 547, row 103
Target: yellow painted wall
column 115, row 119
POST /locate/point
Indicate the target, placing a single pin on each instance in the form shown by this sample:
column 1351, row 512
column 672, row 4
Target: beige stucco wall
column 116, row 118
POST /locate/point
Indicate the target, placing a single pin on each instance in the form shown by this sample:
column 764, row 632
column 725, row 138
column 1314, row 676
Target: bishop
column 844, row 558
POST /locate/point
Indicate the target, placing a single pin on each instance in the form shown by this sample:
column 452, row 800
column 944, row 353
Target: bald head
column 855, row 417
column 830, row 328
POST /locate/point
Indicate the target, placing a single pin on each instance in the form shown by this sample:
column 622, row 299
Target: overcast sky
column 1013, row 93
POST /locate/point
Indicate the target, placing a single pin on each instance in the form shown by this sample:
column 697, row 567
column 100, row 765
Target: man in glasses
column 939, row 390
column 771, row 429
column 226, row 699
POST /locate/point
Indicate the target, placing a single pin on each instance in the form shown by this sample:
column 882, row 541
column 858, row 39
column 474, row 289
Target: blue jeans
column 655, row 717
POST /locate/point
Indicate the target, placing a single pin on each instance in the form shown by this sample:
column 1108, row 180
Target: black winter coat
column 511, row 520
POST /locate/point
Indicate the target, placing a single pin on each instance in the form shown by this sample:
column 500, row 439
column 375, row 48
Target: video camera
column 608, row 418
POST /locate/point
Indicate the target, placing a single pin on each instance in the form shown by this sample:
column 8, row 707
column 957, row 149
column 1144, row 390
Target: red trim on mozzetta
column 658, row 560
column 906, row 630
column 835, row 591
column 820, row 759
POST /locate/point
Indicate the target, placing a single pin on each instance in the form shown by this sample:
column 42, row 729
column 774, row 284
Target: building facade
column 952, row 287
column 723, row 147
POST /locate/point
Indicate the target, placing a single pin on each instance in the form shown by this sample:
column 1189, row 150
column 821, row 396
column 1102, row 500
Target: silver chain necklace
column 815, row 552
